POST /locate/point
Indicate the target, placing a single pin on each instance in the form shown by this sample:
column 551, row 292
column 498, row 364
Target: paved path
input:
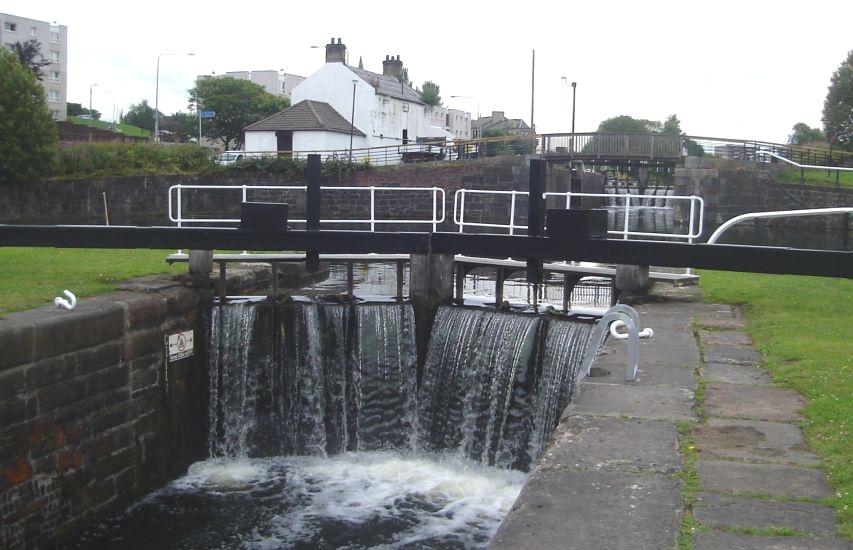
column 619, row 472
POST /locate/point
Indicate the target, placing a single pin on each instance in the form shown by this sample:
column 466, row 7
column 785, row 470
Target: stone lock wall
column 93, row 415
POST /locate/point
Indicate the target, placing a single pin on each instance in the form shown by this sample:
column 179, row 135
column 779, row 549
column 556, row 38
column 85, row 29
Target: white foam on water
column 425, row 498
column 224, row 473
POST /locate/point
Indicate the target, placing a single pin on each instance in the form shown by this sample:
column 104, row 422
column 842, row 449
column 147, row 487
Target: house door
column 284, row 142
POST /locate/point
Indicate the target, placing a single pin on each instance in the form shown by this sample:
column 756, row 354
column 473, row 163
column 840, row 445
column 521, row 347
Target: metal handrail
column 630, row 319
column 805, row 166
column 695, row 226
column 776, row 214
column 176, row 215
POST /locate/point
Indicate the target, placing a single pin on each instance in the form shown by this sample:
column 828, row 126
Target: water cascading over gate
column 315, row 379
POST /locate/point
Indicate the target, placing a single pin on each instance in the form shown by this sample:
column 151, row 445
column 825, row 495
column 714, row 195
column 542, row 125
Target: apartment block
column 54, row 48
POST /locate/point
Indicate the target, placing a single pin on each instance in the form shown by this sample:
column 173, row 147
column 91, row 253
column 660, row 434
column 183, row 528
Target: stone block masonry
column 92, row 414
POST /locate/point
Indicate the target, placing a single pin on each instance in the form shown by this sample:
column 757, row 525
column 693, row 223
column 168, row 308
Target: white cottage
column 383, row 111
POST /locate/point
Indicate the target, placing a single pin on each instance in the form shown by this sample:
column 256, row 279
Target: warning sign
column 180, row 345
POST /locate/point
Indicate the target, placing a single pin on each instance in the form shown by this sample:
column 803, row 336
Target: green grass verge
column 126, row 129
column 802, row 326
column 32, row 277
column 816, row 177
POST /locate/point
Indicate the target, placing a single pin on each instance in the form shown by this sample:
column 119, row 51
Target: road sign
column 208, row 114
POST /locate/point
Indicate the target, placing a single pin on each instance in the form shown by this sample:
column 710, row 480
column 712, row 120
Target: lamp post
column 90, row 100
column 574, row 86
column 157, row 96
column 352, row 120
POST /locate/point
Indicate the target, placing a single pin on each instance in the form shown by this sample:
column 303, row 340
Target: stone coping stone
column 567, row 510
column 729, row 373
column 753, row 441
column 716, row 540
column 725, row 338
column 721, row 317
column 648, row 372
column 752, row 402
column 770, row 479
column 610, row 443
column 727, row 511
column 633, row 401
column 735, row 355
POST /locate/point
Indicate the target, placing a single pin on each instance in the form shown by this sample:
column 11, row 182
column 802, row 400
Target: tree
column 429, row 94
column 140, row 115
column 29, row 54
column 625, row 124
column 838, row 107
column 186, row 126
column 28, row 134
column 803, row 134
column 237, row 104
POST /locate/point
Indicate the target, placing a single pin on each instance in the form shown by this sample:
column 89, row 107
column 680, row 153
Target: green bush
column 125, row 159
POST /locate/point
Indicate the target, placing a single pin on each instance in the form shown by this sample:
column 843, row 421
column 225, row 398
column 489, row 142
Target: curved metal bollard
column 68, row 304
column 616, row 317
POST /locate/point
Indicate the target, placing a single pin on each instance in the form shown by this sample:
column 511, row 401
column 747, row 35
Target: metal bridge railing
column 632, row 203
column 715, row 236
column 177, row 200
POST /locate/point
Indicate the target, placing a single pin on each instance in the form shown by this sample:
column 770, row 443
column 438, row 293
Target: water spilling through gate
column 322, row 432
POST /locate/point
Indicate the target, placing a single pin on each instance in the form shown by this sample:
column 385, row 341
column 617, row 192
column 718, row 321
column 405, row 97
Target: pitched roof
column 388, row 85
column 306, row 115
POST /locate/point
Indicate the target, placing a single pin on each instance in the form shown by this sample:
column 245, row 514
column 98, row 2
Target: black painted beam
column 721, row 257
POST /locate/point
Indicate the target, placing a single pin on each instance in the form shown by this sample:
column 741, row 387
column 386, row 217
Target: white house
column 382, row 108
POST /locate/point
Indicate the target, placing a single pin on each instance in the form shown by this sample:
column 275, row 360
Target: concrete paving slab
column 752, row 513
column 753, row 441
column 649, row 372
column 735, row 355
column 725, row 338
column 601, row 443
column 633, row 401
column 752, row 402
column 592, row 509
column 769, row 479
column 715, row 540
column 735, row 374
column 722, row 317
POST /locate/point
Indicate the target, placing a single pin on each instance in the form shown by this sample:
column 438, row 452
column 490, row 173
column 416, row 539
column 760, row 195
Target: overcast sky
column 734, row 69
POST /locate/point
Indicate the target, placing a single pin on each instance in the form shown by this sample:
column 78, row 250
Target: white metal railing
column 177, row 214
column 776, row 214
column 805, row 166
column 631, row 203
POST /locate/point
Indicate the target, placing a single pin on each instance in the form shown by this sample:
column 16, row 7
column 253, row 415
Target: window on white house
column 33, row 31
column 54, row 56
column 54, row 37
column 54, row 76
column 55, row 115
column 53, row 95
column 11, row 27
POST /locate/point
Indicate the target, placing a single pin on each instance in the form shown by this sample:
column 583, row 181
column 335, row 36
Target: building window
column 53, row 95
column 55, row 115
column 10, row 27
column 54, row 76
column 54, row 37
column 33, row 31
column 54, row 56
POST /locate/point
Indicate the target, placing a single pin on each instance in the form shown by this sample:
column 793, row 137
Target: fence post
column 535, row 215
column 312, row 209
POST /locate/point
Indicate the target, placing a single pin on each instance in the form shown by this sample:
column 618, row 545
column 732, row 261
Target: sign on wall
column 180, row 345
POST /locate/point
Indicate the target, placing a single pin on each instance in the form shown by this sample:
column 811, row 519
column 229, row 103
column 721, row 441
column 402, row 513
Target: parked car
column 229, row 157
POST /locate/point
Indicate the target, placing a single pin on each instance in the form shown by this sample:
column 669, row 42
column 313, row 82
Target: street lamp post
column 574, row 86
column 352, row 120
column 90, row 100
column 157, row 96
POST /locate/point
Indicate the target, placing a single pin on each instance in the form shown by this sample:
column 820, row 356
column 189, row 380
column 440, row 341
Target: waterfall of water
column 311, row 379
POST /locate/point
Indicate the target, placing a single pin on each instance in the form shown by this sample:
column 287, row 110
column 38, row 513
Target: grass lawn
column 32, row 277
column 816, row 177
column 802, row 326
